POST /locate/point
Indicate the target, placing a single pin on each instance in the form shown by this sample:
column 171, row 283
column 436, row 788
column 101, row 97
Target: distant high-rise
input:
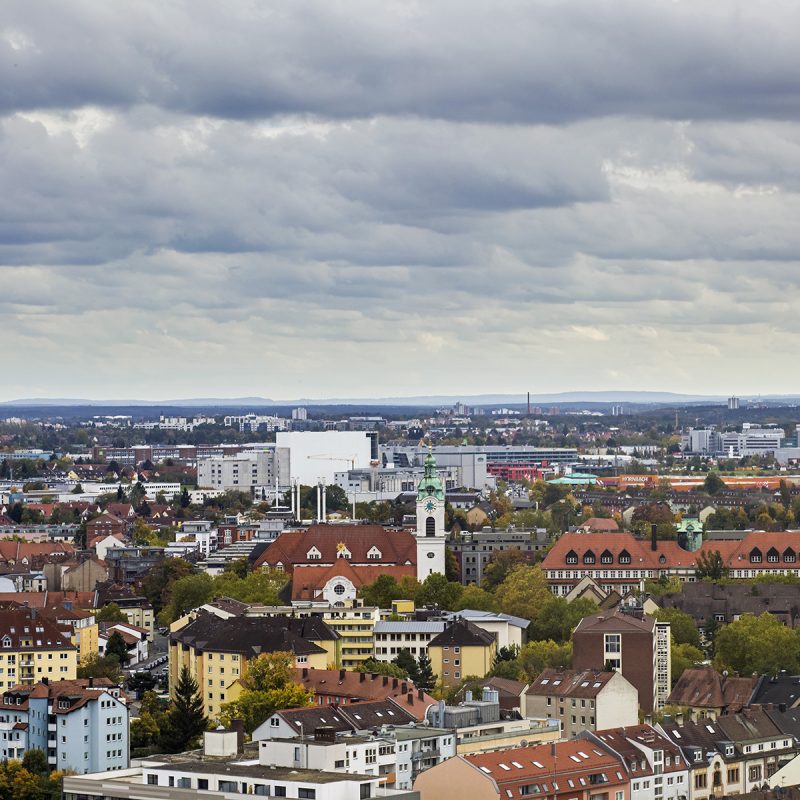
column 617, row 411
column 300, row 413
column 733, row 403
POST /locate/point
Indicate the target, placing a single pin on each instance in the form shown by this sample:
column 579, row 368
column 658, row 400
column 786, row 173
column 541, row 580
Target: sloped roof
column 252, row 636
column 538, row 765
column 570, row 682
column 292, row 547
column 364, row 686
column 351, row 717
column 703, row 687
column 615, row 620
column 462, row 633
column 309, row 578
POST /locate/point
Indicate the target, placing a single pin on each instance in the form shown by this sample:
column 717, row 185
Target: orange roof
column 309, row 579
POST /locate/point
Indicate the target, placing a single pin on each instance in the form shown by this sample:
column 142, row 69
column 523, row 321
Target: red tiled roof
column 292, row 547
column 307, row 580
column 354, row 686
column 538, row 765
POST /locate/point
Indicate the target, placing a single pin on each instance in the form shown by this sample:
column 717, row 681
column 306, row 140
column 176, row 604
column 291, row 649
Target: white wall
column 341, row 445
column 617, row 704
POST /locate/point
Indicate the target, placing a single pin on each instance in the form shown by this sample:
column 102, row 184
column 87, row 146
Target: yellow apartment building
column 32, row 647
column 462, row 650
column 217, row 651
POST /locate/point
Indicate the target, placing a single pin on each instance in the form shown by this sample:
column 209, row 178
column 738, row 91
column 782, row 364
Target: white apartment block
column 391, row 638
column 245, row 471
column 251, row 423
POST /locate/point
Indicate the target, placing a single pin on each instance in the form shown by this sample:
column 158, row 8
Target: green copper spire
column 430, row 485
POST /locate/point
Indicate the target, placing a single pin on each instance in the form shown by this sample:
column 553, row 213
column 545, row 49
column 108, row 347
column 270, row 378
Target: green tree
column 523, row 592
column 536, row 656
column 477, row 598
column 500, row 566
column 116, row 647
column 35, row 761
column 556, row 618
column 239, row 567
column 407, row 663
column 381, row 593
column 141, row 682
column 711, row 565
column 684, row 656
column 144, row 736
column 187, row 593
column 97, row 666
column 452, row 569
column 111, row 613
column 757, row 645
column 436, row 590
column 185, row 721
column 374, row 667
column 268, row 687
column 681, row 625
column 425, row 677
column 713, row 484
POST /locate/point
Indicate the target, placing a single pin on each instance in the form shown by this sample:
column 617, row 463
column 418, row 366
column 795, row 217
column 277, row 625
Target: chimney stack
column 305, row 672
column 653, row 542
column 342, row 673
column 237, row 725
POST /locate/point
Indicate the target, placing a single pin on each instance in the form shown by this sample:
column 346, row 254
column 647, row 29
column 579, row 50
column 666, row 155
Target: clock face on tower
column 430, row 505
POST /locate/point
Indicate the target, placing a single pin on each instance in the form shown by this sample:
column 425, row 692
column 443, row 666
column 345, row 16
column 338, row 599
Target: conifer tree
column 185, row 721
column 425, row 677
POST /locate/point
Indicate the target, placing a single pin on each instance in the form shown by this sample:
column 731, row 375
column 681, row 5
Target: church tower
column 430, row 533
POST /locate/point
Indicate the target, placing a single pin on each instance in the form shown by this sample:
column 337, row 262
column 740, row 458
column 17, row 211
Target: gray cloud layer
column 350, row 198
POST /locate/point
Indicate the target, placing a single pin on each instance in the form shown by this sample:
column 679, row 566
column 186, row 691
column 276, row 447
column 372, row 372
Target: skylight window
column 557, row 683
column 486, row 770
column 584, row 684
column 516, row 764
column 575, row 759
column 676, row 734
column 545, row 681
column 582, row 754
column 597, row 686
column 538, row 764
column 505, row 767
column 709, row 728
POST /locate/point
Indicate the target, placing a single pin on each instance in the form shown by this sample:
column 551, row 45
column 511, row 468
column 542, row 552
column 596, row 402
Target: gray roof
column 474, row 615
column 409, row 627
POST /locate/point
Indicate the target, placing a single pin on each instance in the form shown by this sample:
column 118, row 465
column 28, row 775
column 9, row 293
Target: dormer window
column 606, row 557
column 342, row 551
column 313, row 554
column 773, row 556
column 755, row 556
column 789, row 556
column 572, row 557
column 6, row 641
column 588, row 557
column 374, row 554
column 624, row 557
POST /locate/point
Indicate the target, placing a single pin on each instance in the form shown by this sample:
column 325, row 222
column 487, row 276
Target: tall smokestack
column 529, row 403
column 653, row 542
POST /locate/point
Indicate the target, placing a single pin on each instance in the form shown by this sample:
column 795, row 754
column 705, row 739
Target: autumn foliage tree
column 267, row 687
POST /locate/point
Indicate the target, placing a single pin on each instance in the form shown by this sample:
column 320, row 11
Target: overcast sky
column 394, row 198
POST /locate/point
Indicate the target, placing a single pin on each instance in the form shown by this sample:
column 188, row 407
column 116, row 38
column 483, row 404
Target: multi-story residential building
column 391, row 638
column 655, row 765
column 637, row 646
column 33, row 647
column 217, row 652
column 462, row 649
column 734, row 754
column 332, row 687
column 129, row 564
column 581, row 700
column 83, row 625
column 566, row 770
column 475, row 551
column 480, row 725
column 223, row 772
column 706, row 694
column 80, row 725
column 137, row 609
column 252, row 423
column 372, row 738
column 245, row 470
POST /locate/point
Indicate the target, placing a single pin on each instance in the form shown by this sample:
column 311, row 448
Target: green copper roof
column 430, row 485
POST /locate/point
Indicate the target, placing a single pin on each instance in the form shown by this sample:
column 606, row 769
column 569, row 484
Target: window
column 755, row 556
column 754, row 773
column 152, row 780
column 365, row 791
column 339, row 588
column 733, row 774
column 700, row 780
column 572, row 557
column 588, row 557
column 308, row 794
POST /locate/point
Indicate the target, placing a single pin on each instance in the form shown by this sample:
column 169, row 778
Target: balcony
column 421, row 755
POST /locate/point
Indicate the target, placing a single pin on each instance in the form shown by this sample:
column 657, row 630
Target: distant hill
column 553, row 398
